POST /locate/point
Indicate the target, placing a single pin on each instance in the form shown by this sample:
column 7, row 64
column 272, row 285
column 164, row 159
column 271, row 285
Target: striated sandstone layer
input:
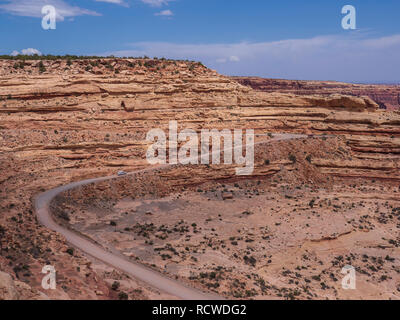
column 387, row 96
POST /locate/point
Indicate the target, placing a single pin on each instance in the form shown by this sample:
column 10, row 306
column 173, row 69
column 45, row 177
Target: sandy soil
column 262, row 239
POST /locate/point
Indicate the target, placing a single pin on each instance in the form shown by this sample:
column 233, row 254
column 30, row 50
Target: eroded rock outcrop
column 387, row 96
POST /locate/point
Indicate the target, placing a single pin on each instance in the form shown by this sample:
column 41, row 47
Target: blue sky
column 279, row 39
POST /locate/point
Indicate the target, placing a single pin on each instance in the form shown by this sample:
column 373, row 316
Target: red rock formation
column 387, row 96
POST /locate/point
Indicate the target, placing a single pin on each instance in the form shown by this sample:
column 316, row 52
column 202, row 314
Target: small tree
column 115, row 285
column 122, row 296
column 42, row 68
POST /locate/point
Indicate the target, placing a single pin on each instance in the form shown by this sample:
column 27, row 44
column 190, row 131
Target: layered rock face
column 387, row 96
column 64, row 121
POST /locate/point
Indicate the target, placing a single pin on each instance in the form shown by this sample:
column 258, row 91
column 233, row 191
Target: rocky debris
column 227, row 195
column 17, row 290
column 7, row 287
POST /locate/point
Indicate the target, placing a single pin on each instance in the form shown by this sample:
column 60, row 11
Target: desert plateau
column 324, row 193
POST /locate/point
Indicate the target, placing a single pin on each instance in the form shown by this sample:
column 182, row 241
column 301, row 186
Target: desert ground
column 313, row 204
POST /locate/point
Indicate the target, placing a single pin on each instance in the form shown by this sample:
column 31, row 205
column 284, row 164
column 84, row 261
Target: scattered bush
column 41, row 66
column 122, row 296
column 115, row 285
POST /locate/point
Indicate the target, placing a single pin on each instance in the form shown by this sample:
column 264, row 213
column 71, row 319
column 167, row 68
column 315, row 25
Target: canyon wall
column 387, row 96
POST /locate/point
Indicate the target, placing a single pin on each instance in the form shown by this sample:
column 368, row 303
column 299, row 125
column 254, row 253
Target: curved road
column 140, row 272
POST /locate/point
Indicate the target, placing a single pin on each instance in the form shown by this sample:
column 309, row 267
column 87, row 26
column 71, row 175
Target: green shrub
column 115, row 285
column 122, row 296
column 41, row 66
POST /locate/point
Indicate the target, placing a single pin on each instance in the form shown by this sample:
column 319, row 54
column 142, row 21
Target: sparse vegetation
column 41, row 67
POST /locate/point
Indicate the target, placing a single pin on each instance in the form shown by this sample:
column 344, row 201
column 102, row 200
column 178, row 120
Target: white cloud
column 31, row 51
column 382, row 42
column 165, row 13
column 156, row 3
column 225, row 60
column 351, row 57
column 28, row 51
column 119, row 2
column 33, row 8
